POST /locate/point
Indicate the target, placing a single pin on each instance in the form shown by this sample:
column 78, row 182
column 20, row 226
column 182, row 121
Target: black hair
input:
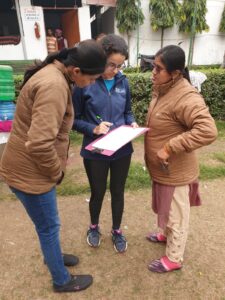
column 112, row 43
column 100, row 36
column 173, row 58
column 87, row 55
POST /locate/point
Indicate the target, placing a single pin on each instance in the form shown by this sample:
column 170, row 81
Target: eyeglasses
column 158, row 68
column 113, row 66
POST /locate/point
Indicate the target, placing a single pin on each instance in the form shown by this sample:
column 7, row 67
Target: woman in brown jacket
column 34, row 158
column 179, row 123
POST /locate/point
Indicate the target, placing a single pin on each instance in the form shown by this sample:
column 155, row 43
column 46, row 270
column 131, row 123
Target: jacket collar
column 61, row 67
column 119, row 76
column 162, row 89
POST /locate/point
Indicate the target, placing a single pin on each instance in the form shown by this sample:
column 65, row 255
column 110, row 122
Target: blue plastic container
column 7, row 110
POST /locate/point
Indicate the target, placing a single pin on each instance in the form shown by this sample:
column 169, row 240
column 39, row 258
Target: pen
column 99, row 118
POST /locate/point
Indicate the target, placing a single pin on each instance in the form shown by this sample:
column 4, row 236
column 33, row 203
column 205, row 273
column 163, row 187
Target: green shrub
column 141, row 89
column 213, row 91
column 18, row 79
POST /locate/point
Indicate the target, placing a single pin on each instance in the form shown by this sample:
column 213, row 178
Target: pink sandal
column 156, row 237
column 163, row 265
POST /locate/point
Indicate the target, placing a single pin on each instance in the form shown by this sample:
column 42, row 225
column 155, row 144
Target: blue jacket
column 113, row 106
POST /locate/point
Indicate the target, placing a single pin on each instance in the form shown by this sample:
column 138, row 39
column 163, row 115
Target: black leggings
column 97, row 172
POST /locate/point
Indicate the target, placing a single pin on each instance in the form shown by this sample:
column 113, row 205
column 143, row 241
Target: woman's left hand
column 162, row 156
column 134, row 125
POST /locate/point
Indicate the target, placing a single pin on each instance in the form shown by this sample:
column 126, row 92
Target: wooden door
column 70, row 27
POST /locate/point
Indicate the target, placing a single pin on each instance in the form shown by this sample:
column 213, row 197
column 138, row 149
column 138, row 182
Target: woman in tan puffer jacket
column 34, row 159
column 179, row 123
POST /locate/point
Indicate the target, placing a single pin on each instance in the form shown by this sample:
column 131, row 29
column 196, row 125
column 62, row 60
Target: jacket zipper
column 109, row 93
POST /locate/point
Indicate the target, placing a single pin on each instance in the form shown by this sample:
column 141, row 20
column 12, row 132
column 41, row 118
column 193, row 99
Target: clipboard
column 115, row 139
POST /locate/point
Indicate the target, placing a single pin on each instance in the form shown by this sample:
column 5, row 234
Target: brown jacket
column 179, row 120
column 36, row 153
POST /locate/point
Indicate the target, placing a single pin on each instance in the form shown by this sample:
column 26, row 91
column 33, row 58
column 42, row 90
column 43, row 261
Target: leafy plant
column 129, row 16
column 192, row 20
column 213, row 91
column 163, row 15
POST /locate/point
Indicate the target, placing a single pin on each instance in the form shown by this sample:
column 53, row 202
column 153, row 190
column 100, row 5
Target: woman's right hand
column 102, row 128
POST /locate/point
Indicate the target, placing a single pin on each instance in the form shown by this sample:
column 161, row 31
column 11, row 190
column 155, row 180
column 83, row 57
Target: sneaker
column 76, row 283
column 69, row 260
column 94, row 236
column 119, row 241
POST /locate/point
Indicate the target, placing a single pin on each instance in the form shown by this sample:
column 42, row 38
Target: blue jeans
column 43, row 211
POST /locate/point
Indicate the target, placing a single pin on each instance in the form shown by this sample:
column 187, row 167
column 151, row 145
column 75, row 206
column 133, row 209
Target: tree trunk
column 162, row 35
column 223, row 64
column 128, row 45
column 192, row 50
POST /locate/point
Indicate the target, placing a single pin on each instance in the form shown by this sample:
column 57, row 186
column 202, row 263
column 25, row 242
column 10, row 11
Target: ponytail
column 87, row 55
column 186, row 75
column 38, row 65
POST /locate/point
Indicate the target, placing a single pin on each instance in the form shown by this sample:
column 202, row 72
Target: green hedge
column 213, row 91
column 18, row 79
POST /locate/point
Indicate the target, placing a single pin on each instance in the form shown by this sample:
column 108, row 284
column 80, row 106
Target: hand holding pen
column 103, row 126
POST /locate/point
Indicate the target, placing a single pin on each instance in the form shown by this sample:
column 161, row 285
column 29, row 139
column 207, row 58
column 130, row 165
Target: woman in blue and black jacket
column 100, row 108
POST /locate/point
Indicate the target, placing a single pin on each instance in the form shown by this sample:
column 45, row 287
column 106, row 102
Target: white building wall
column 84, row 22
column 209, row 46
column 34, row 48
column 11, row 52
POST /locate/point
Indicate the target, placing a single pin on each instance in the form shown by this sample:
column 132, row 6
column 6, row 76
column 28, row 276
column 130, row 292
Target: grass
column 75, row 138
column 221, row 128
column 69, row 186
column 138, row 177
column 209, row 173
column 220, row 156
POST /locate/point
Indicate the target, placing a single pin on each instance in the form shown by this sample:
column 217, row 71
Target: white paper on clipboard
column 118, row 137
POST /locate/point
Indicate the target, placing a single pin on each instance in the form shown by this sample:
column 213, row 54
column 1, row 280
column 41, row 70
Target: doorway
column 66, row 20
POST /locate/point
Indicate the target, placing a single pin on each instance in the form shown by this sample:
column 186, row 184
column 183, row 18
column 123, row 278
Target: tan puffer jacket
column 36, row 153
column 178, row 119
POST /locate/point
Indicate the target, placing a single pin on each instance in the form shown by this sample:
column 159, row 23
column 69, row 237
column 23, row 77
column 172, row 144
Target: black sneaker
column 77, row 283
column 69, row 260
column 119, row 241
column 94, row 236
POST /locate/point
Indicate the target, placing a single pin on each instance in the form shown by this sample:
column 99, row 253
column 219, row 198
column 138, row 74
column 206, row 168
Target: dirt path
column 24, row 277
